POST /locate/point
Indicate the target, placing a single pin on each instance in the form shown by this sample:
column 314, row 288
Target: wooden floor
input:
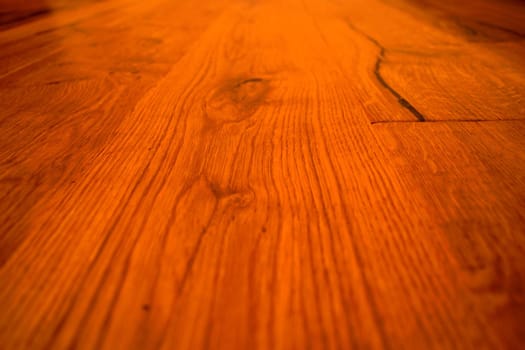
column 249, row 174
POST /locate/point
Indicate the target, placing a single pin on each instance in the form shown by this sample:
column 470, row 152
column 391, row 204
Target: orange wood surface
column 280, row 174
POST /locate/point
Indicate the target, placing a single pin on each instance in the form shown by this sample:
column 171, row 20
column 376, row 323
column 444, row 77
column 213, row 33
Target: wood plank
column 275, row 175
column 426, row 64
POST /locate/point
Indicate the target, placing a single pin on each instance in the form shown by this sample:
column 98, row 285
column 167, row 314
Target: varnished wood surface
column 280, row 174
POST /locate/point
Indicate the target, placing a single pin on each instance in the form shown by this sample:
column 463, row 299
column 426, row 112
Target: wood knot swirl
column 236, row 100
column 235, row 197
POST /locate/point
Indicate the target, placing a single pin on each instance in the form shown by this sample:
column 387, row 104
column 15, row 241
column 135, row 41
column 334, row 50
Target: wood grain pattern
column 235, row 174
